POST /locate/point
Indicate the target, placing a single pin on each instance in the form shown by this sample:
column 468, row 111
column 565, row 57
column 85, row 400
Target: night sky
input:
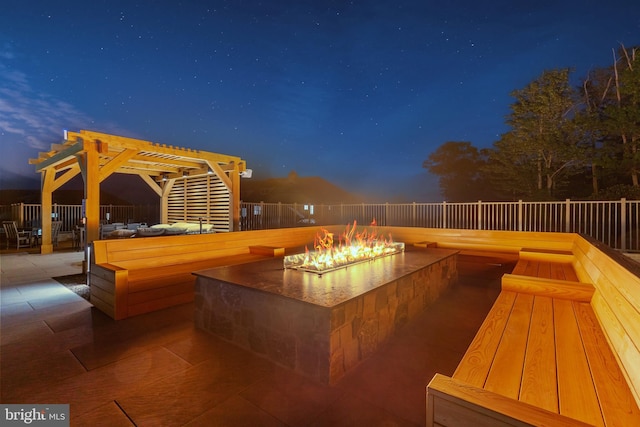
column 358, row 92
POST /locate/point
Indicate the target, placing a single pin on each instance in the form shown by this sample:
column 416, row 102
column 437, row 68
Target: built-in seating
column 546, row 352
column 134, row 276
column 561, row 345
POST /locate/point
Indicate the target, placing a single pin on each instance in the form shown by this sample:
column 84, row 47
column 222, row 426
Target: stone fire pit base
column 320, row 326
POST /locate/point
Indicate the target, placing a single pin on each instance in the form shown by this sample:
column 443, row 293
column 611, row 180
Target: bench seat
column 135, row 276
column 539, row 358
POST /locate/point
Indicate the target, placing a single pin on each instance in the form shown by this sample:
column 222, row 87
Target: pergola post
column 235, row 197
column 90, row 168
column 47, row 188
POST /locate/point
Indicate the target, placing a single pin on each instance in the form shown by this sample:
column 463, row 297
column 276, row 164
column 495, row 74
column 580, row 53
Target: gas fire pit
column 320, row 324
column 352, row 247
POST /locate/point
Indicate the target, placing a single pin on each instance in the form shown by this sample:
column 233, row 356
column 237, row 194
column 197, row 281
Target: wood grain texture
column 576, row 393
column 616, row 399
column 475, row 364
column 505, row 375
column 489, row 407
column 147, row 274
column 539, row 381
column 563, row 289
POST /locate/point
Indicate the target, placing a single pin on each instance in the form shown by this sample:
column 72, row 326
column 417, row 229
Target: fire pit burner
column 353, row 247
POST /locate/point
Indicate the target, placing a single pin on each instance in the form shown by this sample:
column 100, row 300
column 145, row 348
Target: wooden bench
column 540, row 357
column 134, row 276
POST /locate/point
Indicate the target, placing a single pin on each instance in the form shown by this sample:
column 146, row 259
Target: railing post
column 479, row 227
column 623, row 224
column 21, row 219
column 444, row 214
column 386, row 213
column 520, row 219
column 414, row 216
column 567, row 215
column 279, row 214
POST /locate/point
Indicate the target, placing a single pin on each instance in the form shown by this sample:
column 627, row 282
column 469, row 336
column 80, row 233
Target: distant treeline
column 564, row 141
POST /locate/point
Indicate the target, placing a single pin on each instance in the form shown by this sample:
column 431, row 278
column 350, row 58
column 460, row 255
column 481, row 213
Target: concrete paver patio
column 157, row 369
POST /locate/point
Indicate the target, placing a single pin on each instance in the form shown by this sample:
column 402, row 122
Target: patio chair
column 22, row 239
column 55, row 231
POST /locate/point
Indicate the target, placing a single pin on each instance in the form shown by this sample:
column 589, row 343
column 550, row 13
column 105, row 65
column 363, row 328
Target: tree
column 511, row 169
column 458, row 166
column 622, row 117
column 595, row 89
column 542, row 128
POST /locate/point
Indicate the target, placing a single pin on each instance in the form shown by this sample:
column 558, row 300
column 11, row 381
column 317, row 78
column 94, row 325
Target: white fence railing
column 28, row 214
column 615, row 223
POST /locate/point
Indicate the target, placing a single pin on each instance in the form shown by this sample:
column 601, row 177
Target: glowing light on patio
column 352, row 247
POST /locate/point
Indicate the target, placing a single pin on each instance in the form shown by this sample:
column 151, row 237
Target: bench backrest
column 167, row 250
column 616, row 302
column 487, row 240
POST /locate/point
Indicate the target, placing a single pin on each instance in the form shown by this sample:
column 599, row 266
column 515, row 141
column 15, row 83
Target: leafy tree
column 458, row 166
column 621, row 118
column 543, row 130
column 511, row 169
column 563, row 141
column 595, row 96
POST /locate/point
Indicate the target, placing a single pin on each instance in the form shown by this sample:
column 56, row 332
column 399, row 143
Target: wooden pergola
column 97, row 155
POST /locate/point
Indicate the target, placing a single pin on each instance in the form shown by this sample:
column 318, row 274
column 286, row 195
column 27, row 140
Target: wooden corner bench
column 541, row 356
column 138, row 275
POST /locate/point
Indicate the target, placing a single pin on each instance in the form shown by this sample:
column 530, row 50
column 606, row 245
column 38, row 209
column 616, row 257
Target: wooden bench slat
column 558, row 272
column 620, row 320
column 479, row 356
column 531, row 268
column 569, row 272
column 544, row 269
column 506, row 371
column 539, row 384
column 616, row 400
column 576, row 393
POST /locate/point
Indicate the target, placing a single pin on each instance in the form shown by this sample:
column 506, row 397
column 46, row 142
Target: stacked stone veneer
column 317, row 341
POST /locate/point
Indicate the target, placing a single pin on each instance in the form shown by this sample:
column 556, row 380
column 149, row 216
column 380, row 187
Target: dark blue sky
column 358, row 92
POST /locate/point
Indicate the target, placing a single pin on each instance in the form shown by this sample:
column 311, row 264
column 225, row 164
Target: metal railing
column 29, row 215
column 615, row 223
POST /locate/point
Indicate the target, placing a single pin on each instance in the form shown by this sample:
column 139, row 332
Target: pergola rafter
column 96, row 156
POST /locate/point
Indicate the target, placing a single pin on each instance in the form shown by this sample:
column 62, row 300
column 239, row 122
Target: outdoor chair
column 55, row 231
column 22, row 239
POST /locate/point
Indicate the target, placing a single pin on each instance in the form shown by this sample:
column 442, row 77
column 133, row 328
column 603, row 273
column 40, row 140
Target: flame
column 352, row 246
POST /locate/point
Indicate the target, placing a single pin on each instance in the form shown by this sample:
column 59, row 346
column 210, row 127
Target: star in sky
column 358, row 92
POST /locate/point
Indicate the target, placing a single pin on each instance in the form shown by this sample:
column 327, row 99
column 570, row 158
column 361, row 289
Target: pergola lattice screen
column 198, row 197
